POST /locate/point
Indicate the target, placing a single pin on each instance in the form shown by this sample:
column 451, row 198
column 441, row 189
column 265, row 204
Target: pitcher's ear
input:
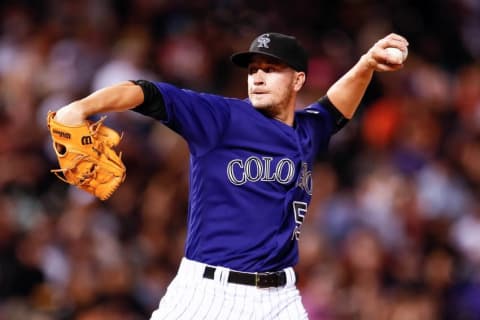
column 299, row 80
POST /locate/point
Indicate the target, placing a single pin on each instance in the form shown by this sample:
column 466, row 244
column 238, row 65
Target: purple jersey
column 250, row 177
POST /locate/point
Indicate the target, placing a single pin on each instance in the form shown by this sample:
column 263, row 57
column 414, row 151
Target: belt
column 258, row 279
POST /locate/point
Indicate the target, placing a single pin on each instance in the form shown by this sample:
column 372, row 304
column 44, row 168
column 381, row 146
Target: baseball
column 397, row 55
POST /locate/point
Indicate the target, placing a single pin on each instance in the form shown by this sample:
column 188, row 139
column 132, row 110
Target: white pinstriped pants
column 190, row 296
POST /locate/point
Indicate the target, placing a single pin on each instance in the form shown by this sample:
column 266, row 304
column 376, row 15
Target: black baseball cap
column 281, row 46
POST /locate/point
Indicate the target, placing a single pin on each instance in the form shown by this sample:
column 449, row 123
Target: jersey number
column 299, row 210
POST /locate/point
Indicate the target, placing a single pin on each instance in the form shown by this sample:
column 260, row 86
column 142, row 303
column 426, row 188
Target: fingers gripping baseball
column 388, row 54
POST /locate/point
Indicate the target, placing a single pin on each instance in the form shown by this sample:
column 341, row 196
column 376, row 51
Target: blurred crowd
column 393, row 230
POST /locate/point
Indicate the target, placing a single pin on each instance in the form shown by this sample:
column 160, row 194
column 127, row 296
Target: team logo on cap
column 263, row 41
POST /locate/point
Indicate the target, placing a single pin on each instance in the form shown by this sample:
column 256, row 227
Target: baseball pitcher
column 251, row 166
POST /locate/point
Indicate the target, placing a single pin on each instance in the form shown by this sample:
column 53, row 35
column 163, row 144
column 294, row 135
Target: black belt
column 259, row 279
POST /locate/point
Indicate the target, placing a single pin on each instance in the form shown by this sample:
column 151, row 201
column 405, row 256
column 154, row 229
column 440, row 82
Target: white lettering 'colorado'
column 255, row 169
column 305, row 181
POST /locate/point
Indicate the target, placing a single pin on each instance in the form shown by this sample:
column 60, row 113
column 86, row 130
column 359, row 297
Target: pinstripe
column 212, row 303
column 252, row 315
column 222, row 305
column 274, row 302
column 300, row 308
column 267, row 299
column 190, row 311
column 289, row 308
column 294, row 304
column 176, row 312
column 242, row 308
column 234, row 299
column 280, row 293
column 277, row 301
column 163, row 309
column 179, row 313
column 269, row 295
column 266, row 314
column 165, row 306
column 239, row 296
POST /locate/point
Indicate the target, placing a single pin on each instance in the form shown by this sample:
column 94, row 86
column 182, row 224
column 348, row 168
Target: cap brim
column 242, row 59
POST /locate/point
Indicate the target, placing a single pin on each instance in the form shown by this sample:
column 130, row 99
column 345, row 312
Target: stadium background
column 393, row 231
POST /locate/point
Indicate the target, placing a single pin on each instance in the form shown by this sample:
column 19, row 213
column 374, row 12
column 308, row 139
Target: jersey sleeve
column 199, row 118
column 322, row 120
column 337, row 118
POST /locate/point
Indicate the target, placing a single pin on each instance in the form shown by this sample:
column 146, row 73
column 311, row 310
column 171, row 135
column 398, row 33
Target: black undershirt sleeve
column 339, row 119
column 153, row 104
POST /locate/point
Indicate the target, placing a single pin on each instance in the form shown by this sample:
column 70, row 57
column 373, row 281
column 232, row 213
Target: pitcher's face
column 271, row 83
